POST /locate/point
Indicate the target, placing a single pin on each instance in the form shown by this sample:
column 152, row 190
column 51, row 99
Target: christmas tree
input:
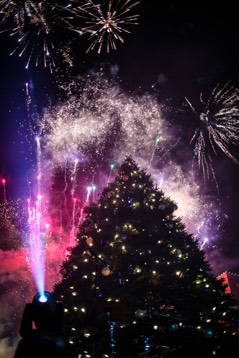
column 136, row 283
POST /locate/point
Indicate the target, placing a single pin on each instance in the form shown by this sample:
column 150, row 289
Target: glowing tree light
column 218, row 127
column 107, row 20
column 39, row 158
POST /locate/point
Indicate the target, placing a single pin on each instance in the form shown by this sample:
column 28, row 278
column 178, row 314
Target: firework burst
column 40, row 26
column 218, row 127
column 35, row 24
column 107, row 21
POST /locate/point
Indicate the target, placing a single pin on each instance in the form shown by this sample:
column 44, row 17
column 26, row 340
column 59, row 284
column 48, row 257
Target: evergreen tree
column 136, row 282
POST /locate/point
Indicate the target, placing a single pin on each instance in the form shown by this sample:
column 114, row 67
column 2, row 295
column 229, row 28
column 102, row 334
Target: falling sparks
column 105, row 21
column 13, row 219
column 218, row 127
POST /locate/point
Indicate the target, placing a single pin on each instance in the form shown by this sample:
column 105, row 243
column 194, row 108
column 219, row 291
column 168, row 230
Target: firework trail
column 4, row 190
column 73, row 220
column 105, row 21
column 73, row 178
column 157, row 142
column 38, row 227
column 218, row 127
column 112, row 166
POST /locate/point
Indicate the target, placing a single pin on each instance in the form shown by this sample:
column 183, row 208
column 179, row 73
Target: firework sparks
column 106, row 21
column 38, row 25
column 101, row 124
column 218, row 127
column 35, row 24
column 97, row 117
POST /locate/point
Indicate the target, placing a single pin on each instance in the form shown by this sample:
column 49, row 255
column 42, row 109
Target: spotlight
column 42, row 329
column 42, row 297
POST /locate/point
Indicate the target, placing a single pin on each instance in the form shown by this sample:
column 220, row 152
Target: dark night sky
column 194, row 45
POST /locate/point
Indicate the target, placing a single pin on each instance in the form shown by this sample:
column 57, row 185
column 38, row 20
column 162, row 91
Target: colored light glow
column 37, row 230
column 43, row 298
column 36, row 245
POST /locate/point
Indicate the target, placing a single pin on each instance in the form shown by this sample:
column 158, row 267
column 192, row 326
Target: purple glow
column 36, row 244
column 38, row 228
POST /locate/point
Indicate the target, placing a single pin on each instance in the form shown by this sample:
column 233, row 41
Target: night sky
column 177, row 50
